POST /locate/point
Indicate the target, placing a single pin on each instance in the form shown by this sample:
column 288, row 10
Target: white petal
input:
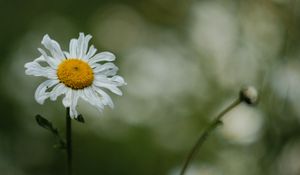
column 57, row 91
column 115, row 80
column 40, row 94
column 80, row 43
column 93, row 98
column 88, row 93
column 78, row 47
column 73, row 48
column 68, row 98
column 90, row 53
column 40, row 59
column 73, row 111
column 86, row 45
column 52, row 62
column 118, row 80
column 102, row 56
column 108, row 69
column 113, row 88
column 34, row 68
column 106, row 98
column 82, row 95
column 67, row 54
column 53, row 47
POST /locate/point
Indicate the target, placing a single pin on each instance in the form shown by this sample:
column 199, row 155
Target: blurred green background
column 184, row 61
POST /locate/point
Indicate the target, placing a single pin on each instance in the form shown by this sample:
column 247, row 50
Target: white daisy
column 76, row 74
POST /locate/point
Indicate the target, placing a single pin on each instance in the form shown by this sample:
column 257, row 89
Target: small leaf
column 80, row 118
column 43, row 122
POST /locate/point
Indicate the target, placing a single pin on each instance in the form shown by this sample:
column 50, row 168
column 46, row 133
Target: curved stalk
column 215, row 123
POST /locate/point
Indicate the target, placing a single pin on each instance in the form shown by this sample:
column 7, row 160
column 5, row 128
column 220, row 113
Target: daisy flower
column 79, row 73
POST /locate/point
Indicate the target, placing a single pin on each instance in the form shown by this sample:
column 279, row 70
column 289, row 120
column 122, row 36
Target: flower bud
column 249, row 95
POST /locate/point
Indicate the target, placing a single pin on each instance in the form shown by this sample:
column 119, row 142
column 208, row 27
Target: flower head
column 249, row 95
column 79, row 73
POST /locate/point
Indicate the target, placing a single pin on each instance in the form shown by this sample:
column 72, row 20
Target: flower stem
column 215, row 123
column 69, row 141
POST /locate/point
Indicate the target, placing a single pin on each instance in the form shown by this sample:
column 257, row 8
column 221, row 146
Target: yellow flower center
column 75, row 73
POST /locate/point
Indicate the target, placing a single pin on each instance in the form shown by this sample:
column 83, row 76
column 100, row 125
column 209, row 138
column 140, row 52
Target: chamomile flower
column 79, row 73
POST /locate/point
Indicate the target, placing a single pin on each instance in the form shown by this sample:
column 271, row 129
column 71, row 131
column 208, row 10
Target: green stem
column 216, row 122
column 69, row 141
